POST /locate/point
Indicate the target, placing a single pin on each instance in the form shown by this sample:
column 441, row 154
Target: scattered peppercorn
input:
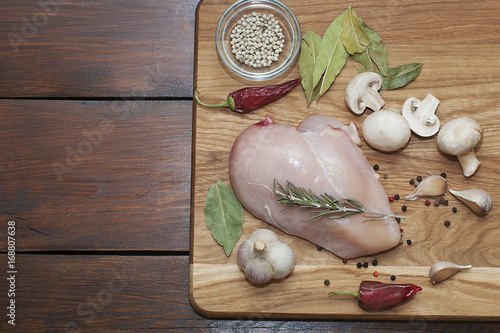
column 447, row 223
column 393, row 277
column 436, row 203
column 344, row 261
column 385, row 176
column 375, row 273
column 327, row 282
column 443, row 175
column 427, row 202
column 359, row 265
column 401, row 229
column 454, row 209
column 445, row 202
column 404, row 208
column 398, row 219
column 412, row 181
column 396, row 197
column 376, row 167
column 319, row 248
column 441, row 200
column 408, row 241
column 419, row 178
column 391, row 199
column 374, row 262
column 365, row 264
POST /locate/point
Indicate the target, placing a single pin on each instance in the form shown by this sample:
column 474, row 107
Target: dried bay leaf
column 308, row 52
column 353, row 35
column 375, row 58
column 223, row 216
column 400, row 76
column 332, row 56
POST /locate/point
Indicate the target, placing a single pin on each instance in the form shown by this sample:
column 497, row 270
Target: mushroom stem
column 469, row 162
column 426, row 110
column 372, row 100
column 259, row 246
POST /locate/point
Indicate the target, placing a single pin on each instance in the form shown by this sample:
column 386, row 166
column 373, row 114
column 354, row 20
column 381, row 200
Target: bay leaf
column 400, row 76
column 332, row 56
column 353, row 35
column 223, row 215
column 308, row 52
column 374, row 55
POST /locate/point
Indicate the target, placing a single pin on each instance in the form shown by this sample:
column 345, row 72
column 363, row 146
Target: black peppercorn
column 393, row 277
column 385, row 176
column 436, row 203
column 443, row 175
column 365, row 264
column 327, row 282
column 419, row 178
column 398, row 219
column 408, row 242
column 445, row 202
column 447, row 223
column 412, row 181
column 404, row 208
column 454, row 209
column 441, row 200
column 374, row 262
column 359, row 265
column 396, row 196
column 375, row 167
column 319, row 248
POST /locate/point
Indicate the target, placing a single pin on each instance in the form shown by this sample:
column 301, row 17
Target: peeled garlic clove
column 431, row 186
column 479, row 201
column 442, row 270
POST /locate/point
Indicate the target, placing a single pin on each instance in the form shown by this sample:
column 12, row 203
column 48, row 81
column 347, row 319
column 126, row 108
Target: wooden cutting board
column 459, row 44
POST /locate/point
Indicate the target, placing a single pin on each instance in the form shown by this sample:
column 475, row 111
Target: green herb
column 332, row 56
column 322, row 58
column 354, row 36
column 400, row 76
column 223, row 215
column 323, row 205
column 309, row 51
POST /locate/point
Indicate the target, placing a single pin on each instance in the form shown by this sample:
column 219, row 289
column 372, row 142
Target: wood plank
column 146, row 293
column 97, row 48
column 457, row 70
column 96, row 175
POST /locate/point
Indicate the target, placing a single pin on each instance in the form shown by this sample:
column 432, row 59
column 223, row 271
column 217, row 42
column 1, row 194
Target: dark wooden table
column 95, row 172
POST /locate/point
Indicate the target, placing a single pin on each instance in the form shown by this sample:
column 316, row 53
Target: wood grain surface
column 96, row 48
column 457, row 51
column 106, row 249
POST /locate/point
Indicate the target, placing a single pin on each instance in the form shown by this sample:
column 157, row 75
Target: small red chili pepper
column 379, row 296
column 248, row 99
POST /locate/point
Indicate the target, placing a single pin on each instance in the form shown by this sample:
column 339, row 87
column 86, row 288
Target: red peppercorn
column 391, row 198
column 344, row 261
column 427, row 202
column 375, row 273
column 378, row 296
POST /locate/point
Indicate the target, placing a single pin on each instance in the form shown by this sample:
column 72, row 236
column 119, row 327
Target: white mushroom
column 458, row 138
column 386, row 130
column 421, row 115
column 362, row 93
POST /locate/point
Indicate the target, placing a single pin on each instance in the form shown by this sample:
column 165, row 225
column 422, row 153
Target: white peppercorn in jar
column 257, row 40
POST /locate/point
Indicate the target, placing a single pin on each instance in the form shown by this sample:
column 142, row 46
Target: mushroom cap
column 356, row 88
column 386, row 130
column 421, row 115
column 459, row 136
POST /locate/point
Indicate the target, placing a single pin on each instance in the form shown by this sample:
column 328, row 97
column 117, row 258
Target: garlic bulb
column 263, row 257
column 431, row 186
column 442, row 270
column 479, row 201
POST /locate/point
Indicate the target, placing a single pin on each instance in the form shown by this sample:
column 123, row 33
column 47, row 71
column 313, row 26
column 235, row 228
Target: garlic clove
column 442, row 270
column 258, row 271
column 282, row 259
column 478, row 200
column 431, row 186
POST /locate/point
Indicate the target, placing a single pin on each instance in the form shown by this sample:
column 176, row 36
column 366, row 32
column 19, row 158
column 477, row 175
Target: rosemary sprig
column 325, row 204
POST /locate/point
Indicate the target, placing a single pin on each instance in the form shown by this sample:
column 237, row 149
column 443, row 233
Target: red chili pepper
column 248, row 99
column 378, row 296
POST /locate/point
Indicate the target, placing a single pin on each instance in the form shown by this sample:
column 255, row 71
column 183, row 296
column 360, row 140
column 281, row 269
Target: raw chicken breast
column 324, row 160
column 316, row 122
